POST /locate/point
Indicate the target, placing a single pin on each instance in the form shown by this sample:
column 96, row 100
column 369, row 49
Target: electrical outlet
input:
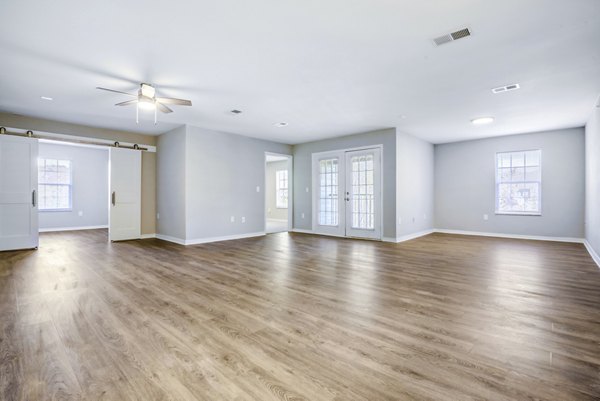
column 424, row 217
column 157, row 216
column 306, row 189
column 257, row 188
column 243, row 219
column 80, row 213
column 302, row 215
column 485, row 216
column 399, row 220
column 232, row 219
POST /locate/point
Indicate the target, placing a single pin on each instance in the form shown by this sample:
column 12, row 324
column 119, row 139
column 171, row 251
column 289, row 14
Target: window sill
column 518, row 214
column 279, row 207
column 54, row 210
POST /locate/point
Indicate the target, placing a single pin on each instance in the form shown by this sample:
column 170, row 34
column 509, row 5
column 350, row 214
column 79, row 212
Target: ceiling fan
column 146, row 99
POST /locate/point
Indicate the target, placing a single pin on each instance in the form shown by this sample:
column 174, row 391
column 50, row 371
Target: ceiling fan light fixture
column 146, row 105
column 147, row 90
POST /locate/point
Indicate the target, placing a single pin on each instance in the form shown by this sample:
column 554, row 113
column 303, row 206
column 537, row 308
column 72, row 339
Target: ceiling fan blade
column 112, row 90
column 163, row 108
column 127, row 103
column 171, row 100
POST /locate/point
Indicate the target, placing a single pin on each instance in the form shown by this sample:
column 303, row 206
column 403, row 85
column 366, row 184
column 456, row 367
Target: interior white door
column 347, row 193
column 18, row 193
column 125, row 194
column 362, row 195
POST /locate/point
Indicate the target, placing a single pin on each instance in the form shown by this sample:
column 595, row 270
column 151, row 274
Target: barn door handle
column 113, row 198
column 33, row 198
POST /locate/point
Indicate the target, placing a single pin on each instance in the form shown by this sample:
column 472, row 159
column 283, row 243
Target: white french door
column 18, row 193
column 125, row 194
column 347, row 193
column 362, row 195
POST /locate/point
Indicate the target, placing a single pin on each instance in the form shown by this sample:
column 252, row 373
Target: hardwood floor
column 299, row 317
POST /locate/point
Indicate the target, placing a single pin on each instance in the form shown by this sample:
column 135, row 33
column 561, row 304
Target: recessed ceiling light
column 282, row 124
column 482, row 120
column 46, row 98
column 506, row 88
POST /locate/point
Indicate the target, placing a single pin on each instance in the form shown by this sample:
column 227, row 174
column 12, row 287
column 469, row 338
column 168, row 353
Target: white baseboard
column 223, row 238
column 49, row 230
column 515, row 236
column 209, row 239
column 408, row 236
column 302, row 231
column 146, row 236
column 277, row 220
column 462, row 232
column 592, row 252
column 171, row 239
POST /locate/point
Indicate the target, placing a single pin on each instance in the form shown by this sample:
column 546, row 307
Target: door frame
column 342, row 216
column 290, row 169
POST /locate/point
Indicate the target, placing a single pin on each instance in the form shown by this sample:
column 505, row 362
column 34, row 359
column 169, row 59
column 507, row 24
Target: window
column 281, row 179
column 328, row 196
column 519, row 182
column 363, row 197
column 54, row 184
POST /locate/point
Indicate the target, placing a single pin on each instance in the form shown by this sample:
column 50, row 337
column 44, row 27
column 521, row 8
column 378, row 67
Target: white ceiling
column 328, row 68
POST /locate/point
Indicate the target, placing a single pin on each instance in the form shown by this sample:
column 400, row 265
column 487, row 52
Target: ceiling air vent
column 451, row 37
column 507, row 88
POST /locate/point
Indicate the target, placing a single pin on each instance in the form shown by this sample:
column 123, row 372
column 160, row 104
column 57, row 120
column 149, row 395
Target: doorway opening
column 63, row 185
column 278, row 193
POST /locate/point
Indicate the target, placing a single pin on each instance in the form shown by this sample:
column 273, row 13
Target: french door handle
column 113, row 198
column 33, row 198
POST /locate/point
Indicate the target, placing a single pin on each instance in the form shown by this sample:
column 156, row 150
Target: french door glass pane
column 328, row 192
column 363, row 198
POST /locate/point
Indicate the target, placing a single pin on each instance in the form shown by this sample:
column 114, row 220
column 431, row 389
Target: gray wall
column 222, row 173
column 170, row 185
column 89, row 168
column 303, row 174
column 205, row 177
column 414, row 185
column 465, row 185
column 592, row 174
column 271, row 191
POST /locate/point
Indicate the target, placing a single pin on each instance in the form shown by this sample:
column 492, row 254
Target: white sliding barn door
column 18, row 193
column 125, row 194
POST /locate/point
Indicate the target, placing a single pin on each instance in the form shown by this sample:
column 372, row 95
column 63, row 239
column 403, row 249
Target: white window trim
column 70, row 208
column 516, row 213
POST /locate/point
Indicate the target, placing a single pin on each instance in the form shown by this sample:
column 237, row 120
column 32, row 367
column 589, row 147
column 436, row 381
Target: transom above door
column 347, row 193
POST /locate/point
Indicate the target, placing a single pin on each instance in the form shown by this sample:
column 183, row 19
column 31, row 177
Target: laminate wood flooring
column 299, row 317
